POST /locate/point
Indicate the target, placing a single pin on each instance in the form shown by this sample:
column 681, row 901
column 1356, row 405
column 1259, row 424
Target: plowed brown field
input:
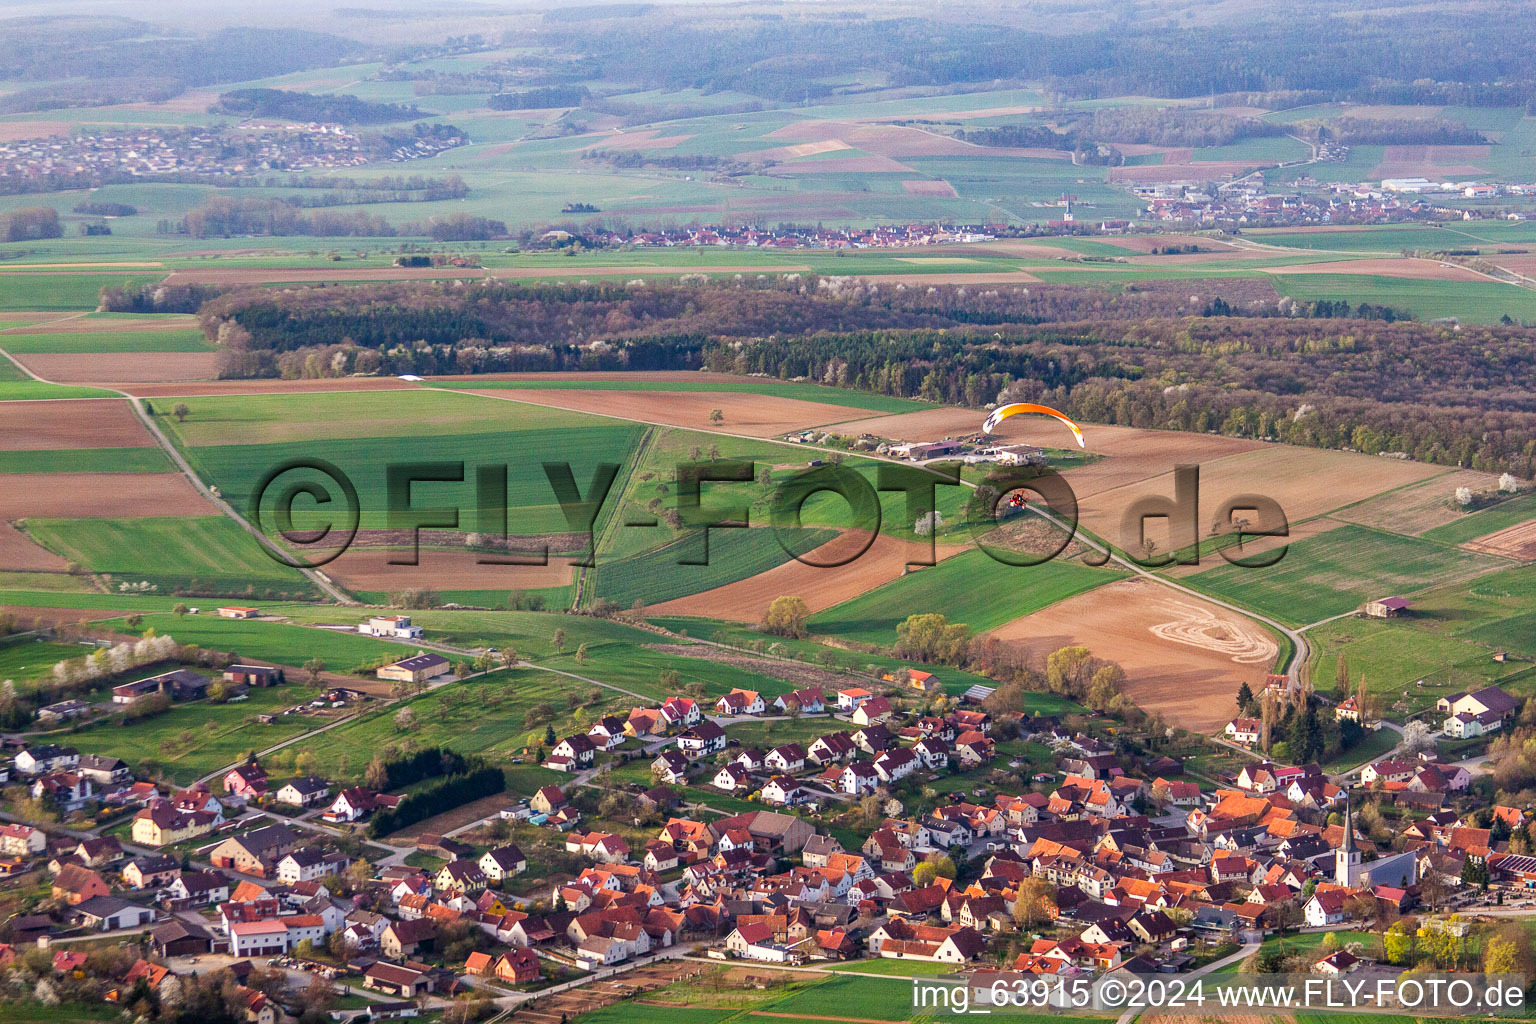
column 99, row 495
column 1184, row 658
column 746, row 600
column 88, row 423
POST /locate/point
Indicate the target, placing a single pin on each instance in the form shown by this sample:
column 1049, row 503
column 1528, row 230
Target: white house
column 782, row 791
column 1244, row 730
column 787, row 759
column 396, row 627
column 897, row 764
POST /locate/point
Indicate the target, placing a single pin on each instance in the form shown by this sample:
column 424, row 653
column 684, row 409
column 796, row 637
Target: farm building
column 237, row 612
column 253, row 675
column 418, row 669
column 1387, row 608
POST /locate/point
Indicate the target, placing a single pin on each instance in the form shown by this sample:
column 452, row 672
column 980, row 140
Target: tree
column 924, row 874
column 1036, row 903
column 181, row 412
column 1105, row 686
column 376, row 775
column 1341, row 677
column 930, row 637
column 559, row 640
column 716, row 417
column 786, row 616
column 1417, row 736
column 1245, row 698
column 1068, row 669
column 312, row 671
column 405, row 720
column 581, row 654
column 1500, row 957
column 179, row 609
column 943, row 865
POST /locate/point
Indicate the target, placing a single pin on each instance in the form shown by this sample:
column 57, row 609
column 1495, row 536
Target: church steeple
column 1346, row 859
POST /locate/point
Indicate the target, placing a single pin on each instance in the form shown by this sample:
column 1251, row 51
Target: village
column 1111, row 860
column 199, row 152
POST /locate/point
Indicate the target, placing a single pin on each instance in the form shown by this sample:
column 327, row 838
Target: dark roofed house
column 180, row 938
column 419, row 669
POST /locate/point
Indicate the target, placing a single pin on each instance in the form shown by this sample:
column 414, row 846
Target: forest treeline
column 303, row 106
column 1445, row 58
column 1232, row 358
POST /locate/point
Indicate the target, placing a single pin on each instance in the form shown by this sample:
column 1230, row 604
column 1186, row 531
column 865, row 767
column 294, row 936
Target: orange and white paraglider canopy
column 1002, row 412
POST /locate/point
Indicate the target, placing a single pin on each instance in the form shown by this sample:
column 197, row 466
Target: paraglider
column 1002, row 412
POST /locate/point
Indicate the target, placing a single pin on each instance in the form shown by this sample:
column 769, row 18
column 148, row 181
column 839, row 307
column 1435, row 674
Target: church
column 1398, row 870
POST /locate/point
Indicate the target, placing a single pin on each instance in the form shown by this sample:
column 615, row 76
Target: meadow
column 23, row 659
column 970, row 588
column 192, row 740
column 58, row 291
column 279, row 642
column 1405, row 660
column 482, row 716
column 1336, row 571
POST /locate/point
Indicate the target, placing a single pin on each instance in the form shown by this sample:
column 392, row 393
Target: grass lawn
column 1373, row 746
column 1302, row 942
column 1339, row 570
column 196, row 553
column 970, row 587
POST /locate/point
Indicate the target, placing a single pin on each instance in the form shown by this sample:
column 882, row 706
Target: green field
column 189, row 553
column 970, row 587
column 657, row 575
column 24, row 659
column 1337, row 571
column 616, row 653
column 123, row 341
column 16, row 386
column 87, row 460
column 399, row 413
column 777, row 389
column 1478, row 302
column 1485, row 521
column 58, row 291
